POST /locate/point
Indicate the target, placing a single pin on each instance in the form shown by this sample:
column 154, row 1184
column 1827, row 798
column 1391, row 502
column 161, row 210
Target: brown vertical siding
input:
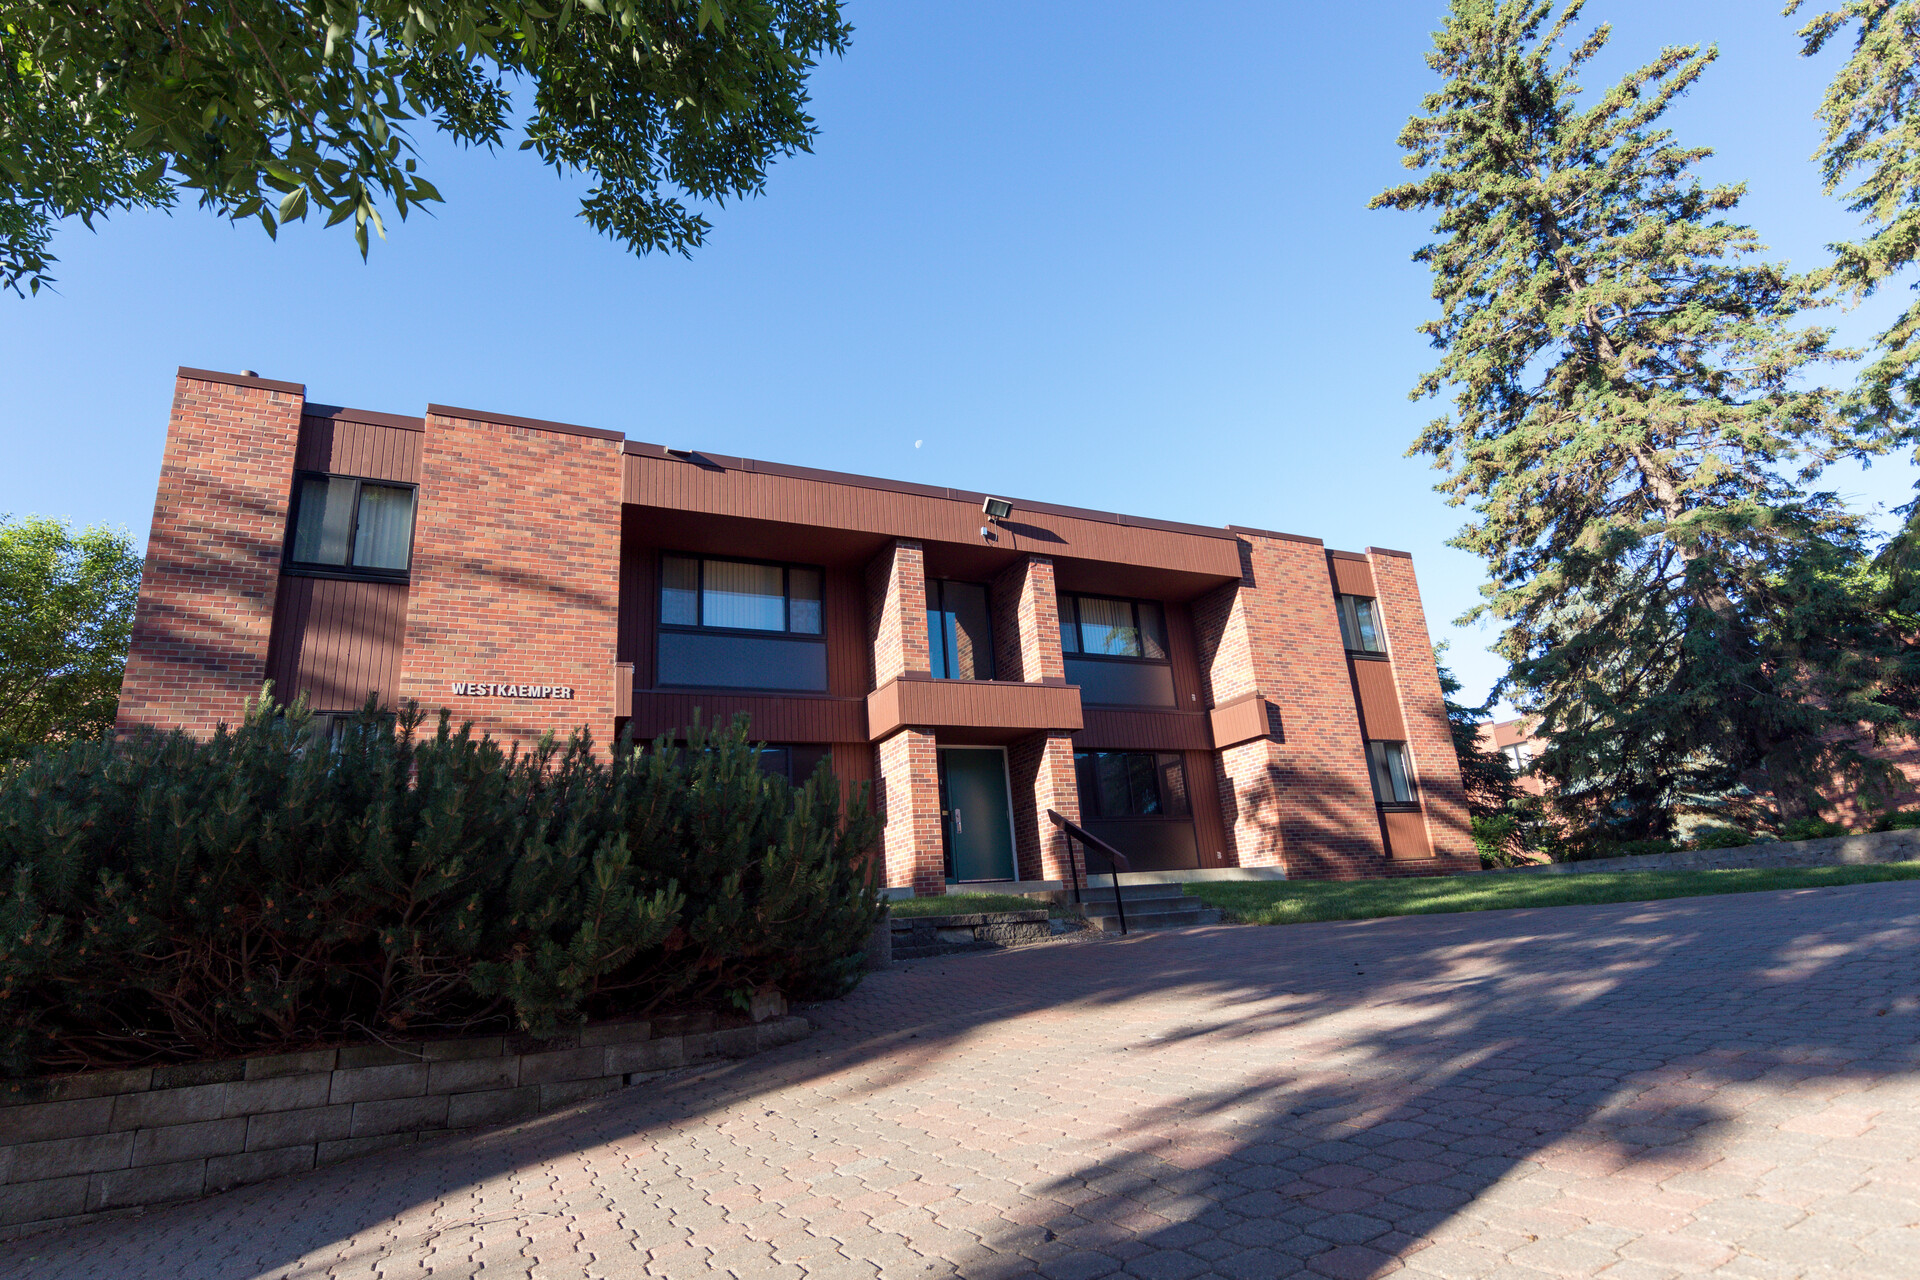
column 1352, row 575
column 1380, row 718
column 369, row 450
column 1184, row 651
column 639, row 608
column 849, row 662
column 1406, row 834
column 1203, row 794
column 337, row 641
column 1116, row 729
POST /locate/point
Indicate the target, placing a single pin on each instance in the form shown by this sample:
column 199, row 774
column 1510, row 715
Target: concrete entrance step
column 1144, row 894
column 1150, row 916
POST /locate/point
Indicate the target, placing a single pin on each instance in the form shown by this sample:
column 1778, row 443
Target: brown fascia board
column 698, row 457
column 1383, row 551
column 1284, row 537
column 371, row 417
column 1347, row 555
column 238, row 380
column 533, row 424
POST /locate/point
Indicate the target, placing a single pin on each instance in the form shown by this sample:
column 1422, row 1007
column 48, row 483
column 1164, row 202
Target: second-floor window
column 1392, row 773
column 1116, row 650
column 1360, row 624
column 959, row 630
column 741, row 624
column 350, row 526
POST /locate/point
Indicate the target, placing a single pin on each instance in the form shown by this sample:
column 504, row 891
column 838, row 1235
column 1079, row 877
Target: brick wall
column 1304, row 801
column 1026, row 622
column 205, row 613
column 1040, row 773
column 516, row 576
column 907, row 797
column 1443, row 801
column 897, row 612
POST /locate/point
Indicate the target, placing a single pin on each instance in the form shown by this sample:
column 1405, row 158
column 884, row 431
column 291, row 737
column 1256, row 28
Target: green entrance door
column 974, row 814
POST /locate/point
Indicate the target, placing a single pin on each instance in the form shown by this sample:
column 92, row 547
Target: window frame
column 1132, row 601
column 360, row 573
column 788, row 636
column 786, row 568
column 1388, row 803
column 1089, row 804
column 1349, row 618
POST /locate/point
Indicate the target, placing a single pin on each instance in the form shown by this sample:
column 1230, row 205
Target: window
column 741, row 624
column 795, row 762
column 1519, row 755
column 959, row 634
column 1392, row 774
column 1360, row 625
column 362, row 528
column 1116, row 650
column 1131, row 784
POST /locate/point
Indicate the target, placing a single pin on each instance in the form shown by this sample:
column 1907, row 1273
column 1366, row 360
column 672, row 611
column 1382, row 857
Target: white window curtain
column 384, row 536
column 751, row 597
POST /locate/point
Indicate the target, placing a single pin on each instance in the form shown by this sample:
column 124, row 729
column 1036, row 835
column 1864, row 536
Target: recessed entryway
column 976, row 817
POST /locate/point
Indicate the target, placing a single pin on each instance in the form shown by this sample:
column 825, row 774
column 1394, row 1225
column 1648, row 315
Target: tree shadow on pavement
column 1563, row 1088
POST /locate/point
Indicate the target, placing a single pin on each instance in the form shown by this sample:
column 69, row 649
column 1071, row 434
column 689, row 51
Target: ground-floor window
column 1137, row 801
column 793, row 761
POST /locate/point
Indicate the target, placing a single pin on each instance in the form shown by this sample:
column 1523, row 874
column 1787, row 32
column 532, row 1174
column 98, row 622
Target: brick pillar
column 897, row 612
column 1252, row 785
column 1443, row 800
column 205, row 612
column 516, row 574
column 1040, row 771
column 907, row 797
column 1026, row 623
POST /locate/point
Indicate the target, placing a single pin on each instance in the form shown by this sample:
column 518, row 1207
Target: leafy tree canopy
column 272, row 109
column 1635, row 416
column 66, row 614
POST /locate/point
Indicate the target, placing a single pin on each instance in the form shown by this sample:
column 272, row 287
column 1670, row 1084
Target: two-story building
column 1199, row 698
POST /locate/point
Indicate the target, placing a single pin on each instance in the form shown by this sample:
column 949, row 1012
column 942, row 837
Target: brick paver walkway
column 1725, row 1085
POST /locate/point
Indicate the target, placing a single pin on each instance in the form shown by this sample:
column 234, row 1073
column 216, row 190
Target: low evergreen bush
column 1720, row 838
column 1810, row 829
column 167, row 898
column 1904, row 820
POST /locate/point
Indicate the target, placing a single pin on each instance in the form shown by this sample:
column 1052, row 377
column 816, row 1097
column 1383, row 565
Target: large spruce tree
column 1634, row 419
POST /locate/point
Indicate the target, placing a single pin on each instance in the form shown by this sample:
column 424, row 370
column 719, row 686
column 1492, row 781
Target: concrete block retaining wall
column 1857, row 850
column 75, row 1146
column 917, row 936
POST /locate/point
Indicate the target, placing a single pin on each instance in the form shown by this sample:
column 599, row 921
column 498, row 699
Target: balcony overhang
column 972, row 711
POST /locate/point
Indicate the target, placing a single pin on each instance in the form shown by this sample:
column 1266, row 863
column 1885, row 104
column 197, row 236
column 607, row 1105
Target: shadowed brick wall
column 205, row 612
column 1026, row 623
column 907, row 796
column 1307, row 793
column 1443, row 800
column 516, row 575
column 897, row 612
column 1040, row 772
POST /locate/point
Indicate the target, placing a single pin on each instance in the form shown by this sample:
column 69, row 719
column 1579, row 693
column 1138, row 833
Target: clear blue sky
column 1110, row 254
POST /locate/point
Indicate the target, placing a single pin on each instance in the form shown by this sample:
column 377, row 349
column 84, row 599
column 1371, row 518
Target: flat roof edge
column 241, row 380
column 532, row 424
column 371, row 417
column 695, row 457
column 1273, row 533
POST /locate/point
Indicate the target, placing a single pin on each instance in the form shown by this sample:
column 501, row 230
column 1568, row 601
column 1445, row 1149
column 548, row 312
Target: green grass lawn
column 955, row 904
column 1298, row 902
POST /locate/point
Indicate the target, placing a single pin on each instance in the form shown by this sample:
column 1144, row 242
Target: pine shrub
column 164, row 898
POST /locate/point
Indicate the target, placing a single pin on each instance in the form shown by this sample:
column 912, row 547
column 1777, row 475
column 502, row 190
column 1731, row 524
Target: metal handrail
column 1115, row 859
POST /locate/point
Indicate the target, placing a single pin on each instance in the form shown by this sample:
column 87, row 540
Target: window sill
column 1367, row 655
column 347, row 574
column 1398, row 806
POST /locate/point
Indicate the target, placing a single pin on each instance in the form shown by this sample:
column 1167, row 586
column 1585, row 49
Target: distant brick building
column 1199, row 698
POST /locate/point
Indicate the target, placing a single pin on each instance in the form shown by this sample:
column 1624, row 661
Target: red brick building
column 1200, row 698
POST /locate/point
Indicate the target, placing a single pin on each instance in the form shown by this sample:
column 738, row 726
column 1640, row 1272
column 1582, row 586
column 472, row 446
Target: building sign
column 466, row 689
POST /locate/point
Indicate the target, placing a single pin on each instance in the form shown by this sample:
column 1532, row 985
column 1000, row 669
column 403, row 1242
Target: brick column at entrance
column 1026, row 623
column 205, row 612
column 897, row 612
column 1040, row 771
column 1443, row 800
column 907, row 797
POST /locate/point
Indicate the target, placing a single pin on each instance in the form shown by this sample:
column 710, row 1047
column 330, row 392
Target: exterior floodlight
column 997, row 508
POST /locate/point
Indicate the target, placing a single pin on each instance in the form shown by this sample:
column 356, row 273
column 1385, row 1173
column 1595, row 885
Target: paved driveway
column 1726, row 1085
